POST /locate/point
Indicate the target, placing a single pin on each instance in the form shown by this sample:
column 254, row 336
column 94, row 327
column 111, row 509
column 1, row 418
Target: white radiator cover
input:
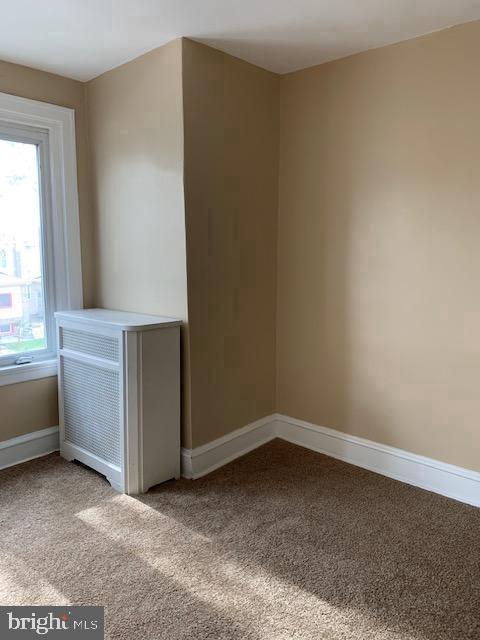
column 119, row 395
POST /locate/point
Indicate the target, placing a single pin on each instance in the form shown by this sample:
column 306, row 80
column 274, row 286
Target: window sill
column 25, row 372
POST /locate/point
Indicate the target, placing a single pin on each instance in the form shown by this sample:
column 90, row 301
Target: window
column 23, row 203
column 39, row 234
column 5, row 300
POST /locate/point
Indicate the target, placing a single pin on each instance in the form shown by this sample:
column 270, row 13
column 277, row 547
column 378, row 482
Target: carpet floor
column 282, row 543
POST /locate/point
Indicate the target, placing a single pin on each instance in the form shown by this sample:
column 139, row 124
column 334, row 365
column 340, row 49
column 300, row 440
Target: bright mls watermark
column 56, row 622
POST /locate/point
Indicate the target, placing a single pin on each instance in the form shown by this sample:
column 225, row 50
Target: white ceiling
column 83, row 38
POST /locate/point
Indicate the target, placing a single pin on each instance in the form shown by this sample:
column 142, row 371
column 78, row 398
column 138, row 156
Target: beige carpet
column 283, row 543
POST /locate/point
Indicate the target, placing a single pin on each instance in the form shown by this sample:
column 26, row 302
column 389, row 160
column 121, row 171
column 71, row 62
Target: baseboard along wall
column 29, row 446
column 426, row 473
column 202, row 460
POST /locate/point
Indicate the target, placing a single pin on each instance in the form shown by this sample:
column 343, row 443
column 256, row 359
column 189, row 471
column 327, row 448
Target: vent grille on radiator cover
column 91, row 397
column 89, row 343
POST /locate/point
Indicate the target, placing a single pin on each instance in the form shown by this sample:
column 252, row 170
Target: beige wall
column 231, row 156
column 136, row 140
column 379, row 254
column 30, row 406
column 135, row 130
column 377, row 313
column 27, row 407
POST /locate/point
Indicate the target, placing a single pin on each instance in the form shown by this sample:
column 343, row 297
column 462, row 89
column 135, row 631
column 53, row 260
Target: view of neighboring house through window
column 40, row 262
column 23, row 327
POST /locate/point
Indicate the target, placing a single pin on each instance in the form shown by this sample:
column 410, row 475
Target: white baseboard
column 202, row 460
column 29, row 446
column 426, row 473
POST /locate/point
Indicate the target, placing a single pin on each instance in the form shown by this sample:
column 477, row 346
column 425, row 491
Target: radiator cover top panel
column 91, row 400
column 92, row 344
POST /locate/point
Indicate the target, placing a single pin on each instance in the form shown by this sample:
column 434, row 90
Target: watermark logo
column 19, row 623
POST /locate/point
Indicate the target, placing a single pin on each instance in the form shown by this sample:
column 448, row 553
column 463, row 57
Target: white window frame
column 63, row 264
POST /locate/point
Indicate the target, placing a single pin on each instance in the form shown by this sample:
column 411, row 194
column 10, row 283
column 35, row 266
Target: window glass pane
column 22, row 306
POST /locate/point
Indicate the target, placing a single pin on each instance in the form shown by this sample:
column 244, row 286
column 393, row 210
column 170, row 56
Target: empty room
column 240, row 319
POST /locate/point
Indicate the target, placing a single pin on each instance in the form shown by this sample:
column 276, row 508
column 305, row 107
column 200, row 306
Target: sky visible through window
column 22, row 321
